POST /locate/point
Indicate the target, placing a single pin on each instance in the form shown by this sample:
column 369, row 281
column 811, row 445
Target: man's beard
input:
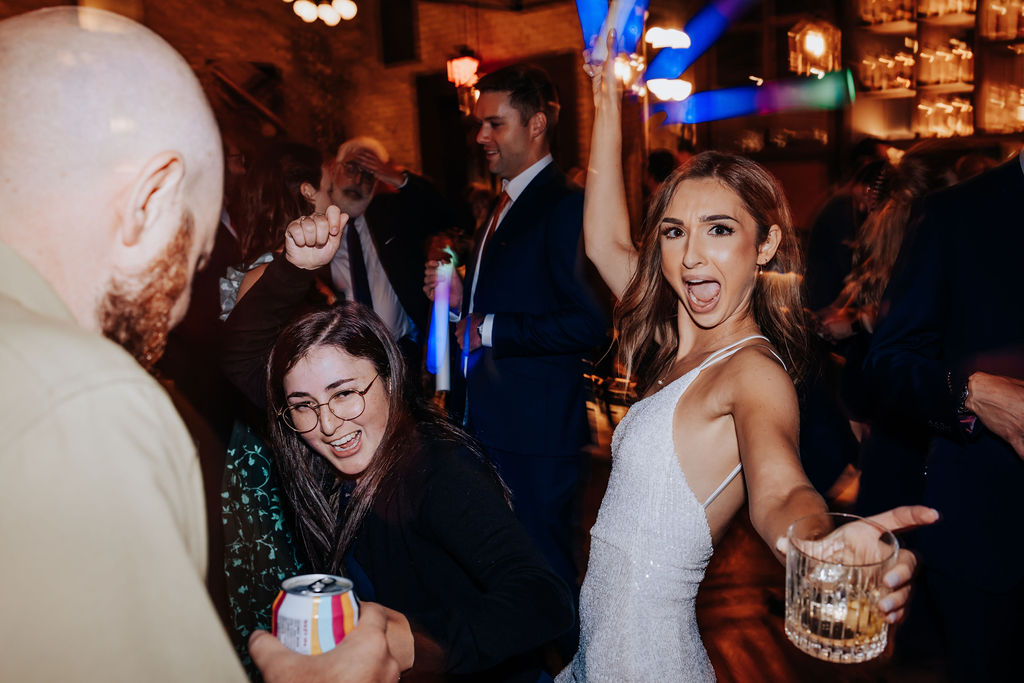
column 136, row 312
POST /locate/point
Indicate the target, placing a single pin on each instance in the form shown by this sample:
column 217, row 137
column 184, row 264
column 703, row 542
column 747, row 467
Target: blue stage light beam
column 833, row 90
column 704, row 29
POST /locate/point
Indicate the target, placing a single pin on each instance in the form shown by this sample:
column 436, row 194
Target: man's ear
column 155, row 200
column 538, row 125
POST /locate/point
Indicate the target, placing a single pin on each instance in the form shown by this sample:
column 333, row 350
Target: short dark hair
column 530, row 91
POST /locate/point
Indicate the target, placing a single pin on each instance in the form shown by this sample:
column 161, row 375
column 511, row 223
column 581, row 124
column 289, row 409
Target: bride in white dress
column 710, row 319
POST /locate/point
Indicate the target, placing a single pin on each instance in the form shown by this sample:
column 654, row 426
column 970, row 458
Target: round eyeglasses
column 347, row 404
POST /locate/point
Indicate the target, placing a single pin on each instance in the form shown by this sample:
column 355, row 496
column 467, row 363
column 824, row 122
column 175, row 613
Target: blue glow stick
column 592, row 14
column 833, row 90
column 704, row 29
column 437, row 340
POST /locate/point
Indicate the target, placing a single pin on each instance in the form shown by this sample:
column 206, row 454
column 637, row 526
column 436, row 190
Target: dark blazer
column 401, row 224
column 526, row 393
column 956, row 306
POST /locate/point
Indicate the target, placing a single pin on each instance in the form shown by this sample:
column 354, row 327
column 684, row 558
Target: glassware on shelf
column 1002, row 19
column 943, row 117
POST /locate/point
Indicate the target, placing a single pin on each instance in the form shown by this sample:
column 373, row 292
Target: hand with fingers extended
column 311, row 241
column 379, row 648
column 430, row 282
column 897, row 579
column 385, row 171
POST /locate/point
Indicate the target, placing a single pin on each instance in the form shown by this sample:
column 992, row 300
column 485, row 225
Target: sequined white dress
column 648, row 551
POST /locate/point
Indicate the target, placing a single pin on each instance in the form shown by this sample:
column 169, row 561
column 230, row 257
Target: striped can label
column 313, row 612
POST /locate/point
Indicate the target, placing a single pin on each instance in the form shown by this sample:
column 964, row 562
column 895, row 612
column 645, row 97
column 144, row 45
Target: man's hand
column 474, row 321
column 364, row 656
column 311, row 241
column 999, row 403
column 384, row 171
column 430, row 282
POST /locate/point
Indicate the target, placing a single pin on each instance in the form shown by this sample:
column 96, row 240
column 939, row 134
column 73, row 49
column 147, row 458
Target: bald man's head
column 112, row 161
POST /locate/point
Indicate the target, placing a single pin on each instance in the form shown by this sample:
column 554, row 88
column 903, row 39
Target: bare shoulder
column 754, row 373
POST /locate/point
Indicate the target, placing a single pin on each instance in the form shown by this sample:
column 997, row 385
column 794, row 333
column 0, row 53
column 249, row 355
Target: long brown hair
column 646, row 315
column 312, row 485
column 271, row 195
column 926, row 167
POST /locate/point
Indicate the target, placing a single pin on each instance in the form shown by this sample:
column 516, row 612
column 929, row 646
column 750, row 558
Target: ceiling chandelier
column 331, row 13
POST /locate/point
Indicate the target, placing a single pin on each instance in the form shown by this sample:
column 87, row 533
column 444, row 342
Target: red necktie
column 503, row 201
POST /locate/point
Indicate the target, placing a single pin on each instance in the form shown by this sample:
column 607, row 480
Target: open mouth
column 352, row 193
column 703, row 294
column 347, row 444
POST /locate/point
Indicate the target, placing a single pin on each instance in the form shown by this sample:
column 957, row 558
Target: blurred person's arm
column 999, row 403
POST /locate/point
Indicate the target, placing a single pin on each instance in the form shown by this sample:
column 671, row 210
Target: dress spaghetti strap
column 721, row 487
column 712, row 359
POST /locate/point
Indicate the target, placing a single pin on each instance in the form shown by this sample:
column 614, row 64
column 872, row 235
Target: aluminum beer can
column 313, row 612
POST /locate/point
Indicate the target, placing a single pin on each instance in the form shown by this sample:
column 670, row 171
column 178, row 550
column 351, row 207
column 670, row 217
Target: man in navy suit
column 528, row 313
column 949, row 355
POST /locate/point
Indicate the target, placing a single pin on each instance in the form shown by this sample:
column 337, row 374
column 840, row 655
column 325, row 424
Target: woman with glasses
column 389, row 492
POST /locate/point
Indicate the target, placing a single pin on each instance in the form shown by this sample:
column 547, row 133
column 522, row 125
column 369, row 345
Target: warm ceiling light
column 670, row 89
column 346, row 8
column 814, row 43
column 328, row 14
column 306, row 10
column 658, row 37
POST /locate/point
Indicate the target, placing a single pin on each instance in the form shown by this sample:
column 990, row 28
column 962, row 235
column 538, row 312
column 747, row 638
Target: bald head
column 109, row 146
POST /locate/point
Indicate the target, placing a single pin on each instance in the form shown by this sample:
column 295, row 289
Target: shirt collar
column 1020, row 158
column 515, row 187
column 23, row 283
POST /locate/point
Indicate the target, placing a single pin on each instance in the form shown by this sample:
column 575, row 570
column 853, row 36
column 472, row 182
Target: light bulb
column 346, row 8
column 306, row 10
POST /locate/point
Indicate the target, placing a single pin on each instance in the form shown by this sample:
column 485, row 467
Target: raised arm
column 606, row 234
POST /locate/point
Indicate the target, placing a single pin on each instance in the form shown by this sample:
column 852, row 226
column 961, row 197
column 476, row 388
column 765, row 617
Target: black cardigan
column 445, row 549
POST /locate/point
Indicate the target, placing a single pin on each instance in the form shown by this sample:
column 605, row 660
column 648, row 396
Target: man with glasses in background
column 390, row 223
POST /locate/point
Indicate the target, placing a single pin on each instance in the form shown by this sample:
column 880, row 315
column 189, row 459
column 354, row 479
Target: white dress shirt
column 385, row 301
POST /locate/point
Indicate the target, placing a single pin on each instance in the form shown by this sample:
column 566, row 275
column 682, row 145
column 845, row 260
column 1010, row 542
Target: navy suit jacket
column 527, row 392
column 956, row 306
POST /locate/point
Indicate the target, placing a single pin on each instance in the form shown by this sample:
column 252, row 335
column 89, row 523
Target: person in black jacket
column 948, row 355
column 384, row 488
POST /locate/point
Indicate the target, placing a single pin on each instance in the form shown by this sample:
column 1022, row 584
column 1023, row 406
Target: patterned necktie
column 357, row 267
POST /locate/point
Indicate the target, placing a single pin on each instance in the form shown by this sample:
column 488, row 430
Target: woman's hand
column 311, row 241
column 898, row 578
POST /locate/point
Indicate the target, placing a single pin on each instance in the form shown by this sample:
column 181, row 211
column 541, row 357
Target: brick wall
column 333, row 82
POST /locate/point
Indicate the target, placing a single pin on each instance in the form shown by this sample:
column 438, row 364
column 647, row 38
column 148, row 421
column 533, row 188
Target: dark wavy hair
column 271, row 195
column 646, row 315
column 312, row 485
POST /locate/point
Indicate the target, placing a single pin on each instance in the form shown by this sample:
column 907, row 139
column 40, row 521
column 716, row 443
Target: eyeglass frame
column 356, row 171
column 318, row 406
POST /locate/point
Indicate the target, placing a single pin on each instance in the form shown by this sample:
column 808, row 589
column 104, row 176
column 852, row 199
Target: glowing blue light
column 829, row 92
column 704, row 29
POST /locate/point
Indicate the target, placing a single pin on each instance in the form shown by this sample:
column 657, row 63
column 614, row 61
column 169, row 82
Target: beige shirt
column 102, row 530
